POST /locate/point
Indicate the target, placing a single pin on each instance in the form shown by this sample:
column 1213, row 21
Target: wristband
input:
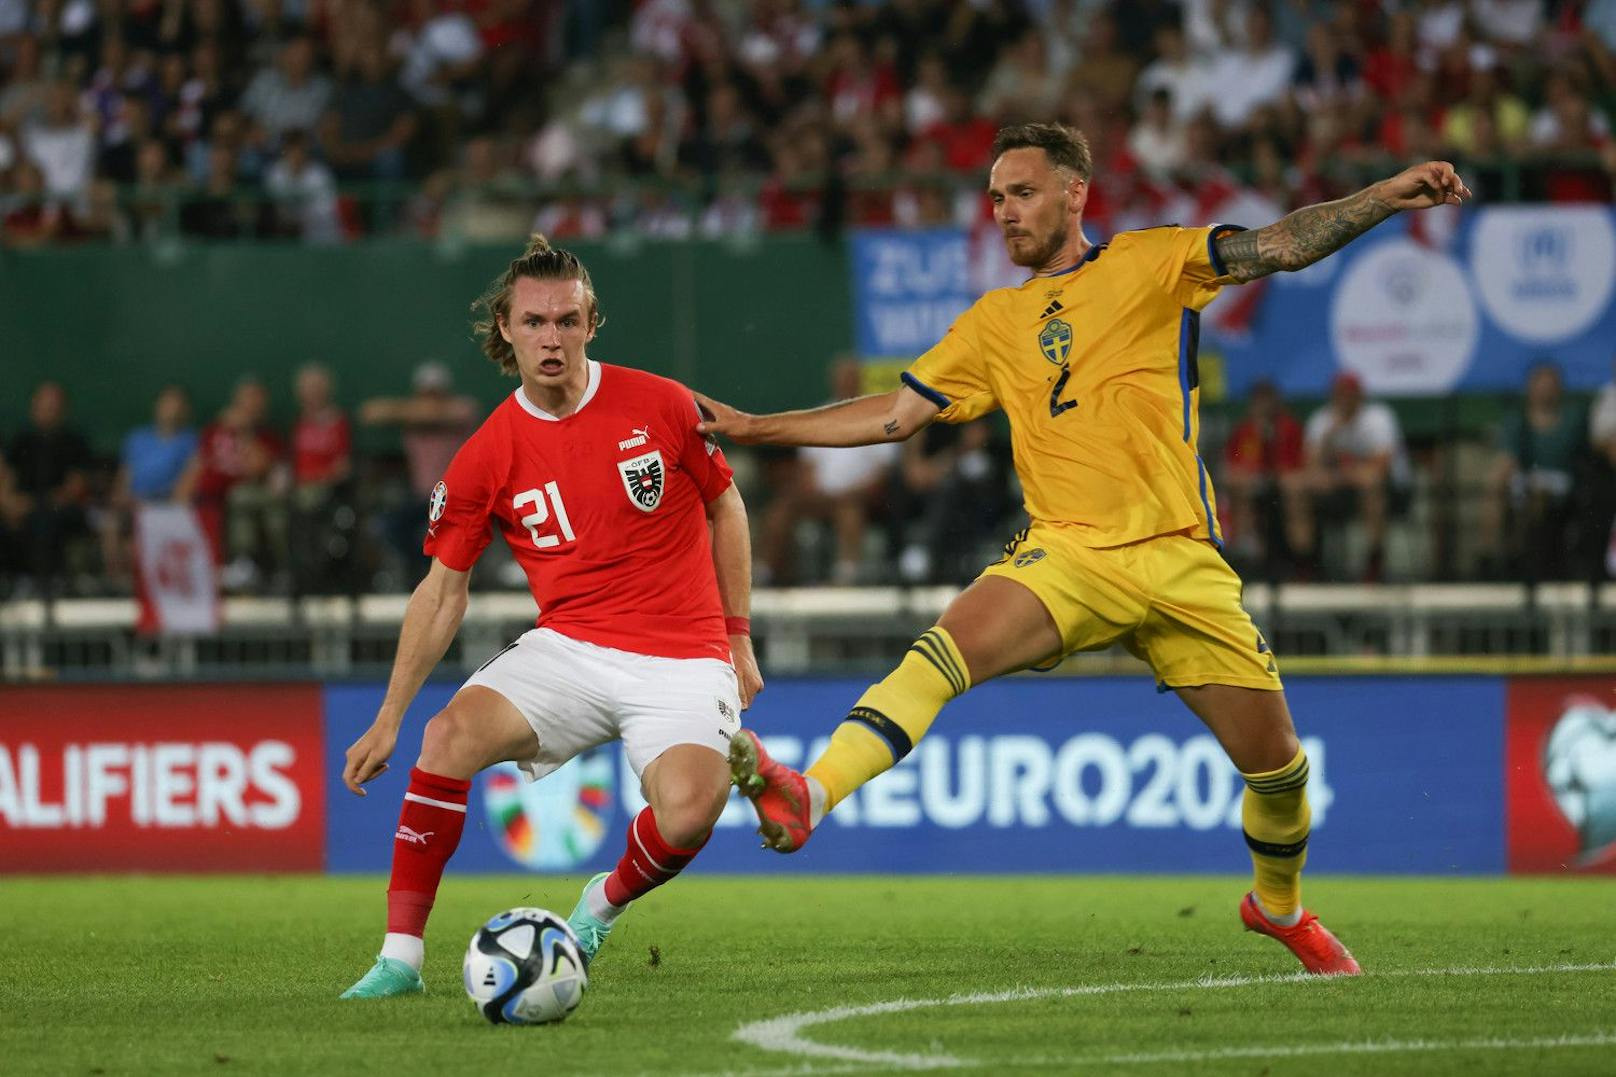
column 737, row 626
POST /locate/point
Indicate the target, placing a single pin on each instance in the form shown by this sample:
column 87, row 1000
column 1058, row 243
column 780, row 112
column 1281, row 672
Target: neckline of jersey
column 1088, row 256
column 589, row 394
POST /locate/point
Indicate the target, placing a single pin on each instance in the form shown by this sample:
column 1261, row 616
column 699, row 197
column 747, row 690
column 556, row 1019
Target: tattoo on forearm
column 1301, row 238
column 891, row 427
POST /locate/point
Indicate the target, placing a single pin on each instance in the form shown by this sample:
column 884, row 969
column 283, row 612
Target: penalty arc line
column 784, row 1034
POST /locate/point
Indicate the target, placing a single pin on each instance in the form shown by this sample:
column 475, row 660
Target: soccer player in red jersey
column 635, row 545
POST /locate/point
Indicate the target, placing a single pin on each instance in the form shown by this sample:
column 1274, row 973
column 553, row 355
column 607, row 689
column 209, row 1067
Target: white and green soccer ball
column 524, row 967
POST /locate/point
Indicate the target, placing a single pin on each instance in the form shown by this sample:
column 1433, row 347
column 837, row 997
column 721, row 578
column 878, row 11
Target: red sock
column 648, row 863
column 429, row 828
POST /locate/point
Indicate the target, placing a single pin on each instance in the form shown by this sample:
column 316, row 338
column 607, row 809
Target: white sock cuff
column 599, row 907
column 406, row 948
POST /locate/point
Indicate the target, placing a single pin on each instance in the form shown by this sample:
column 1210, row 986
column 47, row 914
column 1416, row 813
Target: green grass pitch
column 235, row 975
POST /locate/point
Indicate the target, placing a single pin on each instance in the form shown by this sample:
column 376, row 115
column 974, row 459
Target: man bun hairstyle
column 1065, row 146
column 540, row 261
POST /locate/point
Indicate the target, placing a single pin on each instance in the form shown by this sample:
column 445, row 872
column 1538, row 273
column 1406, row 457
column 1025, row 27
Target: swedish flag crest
column 1055, row 341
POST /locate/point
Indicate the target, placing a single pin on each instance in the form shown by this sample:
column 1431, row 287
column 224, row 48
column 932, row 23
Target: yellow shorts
column 1171, row 600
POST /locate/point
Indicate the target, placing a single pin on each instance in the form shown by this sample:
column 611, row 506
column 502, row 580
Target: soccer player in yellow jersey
column 1093, row 361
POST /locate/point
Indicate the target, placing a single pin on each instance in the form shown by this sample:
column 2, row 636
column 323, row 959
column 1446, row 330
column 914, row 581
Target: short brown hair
column 541, row 262
column 1065, row 146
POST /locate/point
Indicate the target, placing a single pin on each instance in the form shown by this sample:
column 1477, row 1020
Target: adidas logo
column 489, row 980
column 1051, row 309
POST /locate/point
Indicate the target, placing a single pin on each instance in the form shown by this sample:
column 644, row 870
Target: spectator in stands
column 158, row 463
column 1528, row 523
column 303, row 194
column 1356, row 469
column 1187, row 78
column 952, row 495
column 1508, row 114
column 1263, row 485
column 290, row 96
column 1602, row 440
column 62, row 145
column 841, row 486
column 1157, row 141
column 25, row 89
column 369, row 125
column 27, row 217
column 435, row 422
column 1105, row 72
column 219, row 210
column 322, row 467
column 1250, row 76
column 1022, row 85
column 242, row 486
column 51, row 463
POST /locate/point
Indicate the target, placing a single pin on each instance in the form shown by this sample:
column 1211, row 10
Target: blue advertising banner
column 1424, row 313
column 1022, row 775
column 1426, row 304
column 907, row 288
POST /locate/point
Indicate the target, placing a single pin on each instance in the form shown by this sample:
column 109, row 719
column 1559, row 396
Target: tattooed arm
column 1303, row 237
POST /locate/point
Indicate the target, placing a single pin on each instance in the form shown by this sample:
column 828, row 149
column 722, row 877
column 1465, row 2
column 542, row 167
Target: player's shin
column 1275, row 815
column 648, row 862
column 891, row 717
column 429, row 827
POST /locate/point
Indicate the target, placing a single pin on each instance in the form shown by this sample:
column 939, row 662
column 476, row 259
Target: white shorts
column 577, row 695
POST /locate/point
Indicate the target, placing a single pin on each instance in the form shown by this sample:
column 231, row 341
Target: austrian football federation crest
column 643, row 479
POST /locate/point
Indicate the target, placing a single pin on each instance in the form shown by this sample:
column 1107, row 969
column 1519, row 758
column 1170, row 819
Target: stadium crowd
column 487, row 119
column 301, row 510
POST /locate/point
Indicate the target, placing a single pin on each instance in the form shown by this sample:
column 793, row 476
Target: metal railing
column 1313, row 627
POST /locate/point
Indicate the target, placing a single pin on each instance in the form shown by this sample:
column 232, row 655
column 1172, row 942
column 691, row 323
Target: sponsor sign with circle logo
column 1403, row 319
column 1544, row 274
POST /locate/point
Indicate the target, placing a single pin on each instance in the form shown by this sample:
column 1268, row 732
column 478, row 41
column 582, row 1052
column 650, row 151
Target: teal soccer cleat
column 591, row 931
column 386, row 978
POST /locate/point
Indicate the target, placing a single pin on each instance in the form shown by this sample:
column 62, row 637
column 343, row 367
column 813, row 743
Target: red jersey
column 320, row 444
column 604, row 509
column 229, row 455
column 1274, row 449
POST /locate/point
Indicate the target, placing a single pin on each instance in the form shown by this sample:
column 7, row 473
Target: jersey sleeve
column 700, row 456
column 459, row 521
column 953, row 373
column 1185, row 261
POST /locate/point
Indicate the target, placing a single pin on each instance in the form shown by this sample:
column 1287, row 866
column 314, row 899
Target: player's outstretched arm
column 864, row 420
column 1299, row 239
column 430, row 622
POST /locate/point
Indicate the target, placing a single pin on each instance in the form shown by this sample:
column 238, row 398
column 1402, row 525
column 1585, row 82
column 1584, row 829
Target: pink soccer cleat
column 778, row 793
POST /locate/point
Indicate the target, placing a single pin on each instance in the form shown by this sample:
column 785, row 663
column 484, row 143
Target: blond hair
column 540, row 261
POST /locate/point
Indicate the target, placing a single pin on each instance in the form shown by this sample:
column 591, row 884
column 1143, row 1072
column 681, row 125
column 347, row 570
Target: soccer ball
column 524, row 967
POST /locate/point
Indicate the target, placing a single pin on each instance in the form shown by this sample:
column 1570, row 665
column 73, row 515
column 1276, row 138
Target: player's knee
column 448, row 745
column 687, row 813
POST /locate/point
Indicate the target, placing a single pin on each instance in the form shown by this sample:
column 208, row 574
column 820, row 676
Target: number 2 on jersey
column 541, row 515
column 1056, row 404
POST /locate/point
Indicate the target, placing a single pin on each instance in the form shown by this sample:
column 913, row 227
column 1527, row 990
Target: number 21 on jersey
column 545, row 502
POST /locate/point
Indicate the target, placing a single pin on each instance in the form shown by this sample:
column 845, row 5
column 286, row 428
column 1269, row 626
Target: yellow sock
column 1276, row 817
column 891, row 717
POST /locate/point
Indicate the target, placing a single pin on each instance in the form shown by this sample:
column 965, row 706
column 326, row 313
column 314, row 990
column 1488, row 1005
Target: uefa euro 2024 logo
column 1579, row 767
column 558, row 822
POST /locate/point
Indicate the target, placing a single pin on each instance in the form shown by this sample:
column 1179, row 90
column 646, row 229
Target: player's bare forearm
column 431, row 620
column 732, row 552
column 1301, row 238
column 1313, row 232
column 732, row 563
column 864, row 420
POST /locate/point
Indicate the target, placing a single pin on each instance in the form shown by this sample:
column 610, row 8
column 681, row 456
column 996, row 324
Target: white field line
column 1349, row 1047
column 785, row 1033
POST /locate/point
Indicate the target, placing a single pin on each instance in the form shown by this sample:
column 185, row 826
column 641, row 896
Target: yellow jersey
column 1096, row 369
